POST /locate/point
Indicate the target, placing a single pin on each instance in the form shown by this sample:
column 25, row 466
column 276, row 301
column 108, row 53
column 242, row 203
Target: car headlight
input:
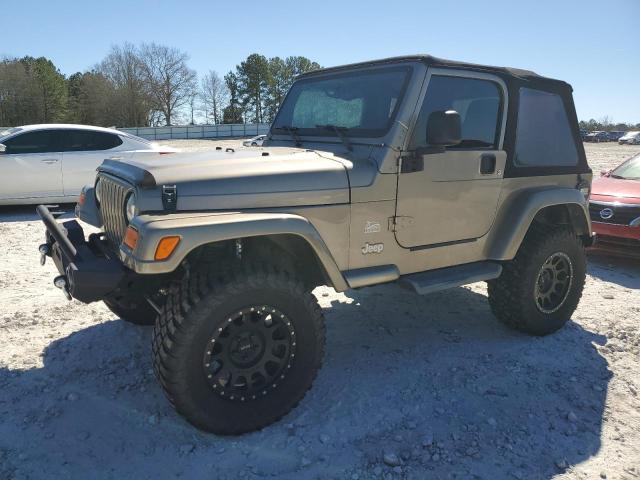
column 130, row 207
column 96, row 191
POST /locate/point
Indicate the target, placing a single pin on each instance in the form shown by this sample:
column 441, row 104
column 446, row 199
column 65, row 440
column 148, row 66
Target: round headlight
column 130, row 208
column 96, row 191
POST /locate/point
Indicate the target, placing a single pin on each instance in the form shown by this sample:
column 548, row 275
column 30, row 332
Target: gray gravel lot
column 412, row 387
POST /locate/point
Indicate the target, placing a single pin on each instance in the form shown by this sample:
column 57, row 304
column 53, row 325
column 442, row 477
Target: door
column 84, row 151
column 31, row 166
column 454, row 195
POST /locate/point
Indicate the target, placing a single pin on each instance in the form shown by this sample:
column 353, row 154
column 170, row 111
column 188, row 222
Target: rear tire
column 235, row 352
column 540, row 288
column 134, row 309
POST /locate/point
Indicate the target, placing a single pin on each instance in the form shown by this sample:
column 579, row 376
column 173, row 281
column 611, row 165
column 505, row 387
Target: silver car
column 52, row 162
column 255, row 141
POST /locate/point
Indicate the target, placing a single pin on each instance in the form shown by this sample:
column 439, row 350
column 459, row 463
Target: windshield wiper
column 293, row 131
column 339, row 132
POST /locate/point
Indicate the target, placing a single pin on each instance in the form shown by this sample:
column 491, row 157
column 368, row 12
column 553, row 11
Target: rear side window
column 41, row 141
column 543, row 137
column 86, row 140
column 479, row 103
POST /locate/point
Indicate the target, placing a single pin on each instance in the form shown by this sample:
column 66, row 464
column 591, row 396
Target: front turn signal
column 166, row 246
column 131, row 237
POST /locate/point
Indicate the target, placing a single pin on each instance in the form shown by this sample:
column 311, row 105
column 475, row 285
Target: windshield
column 9, row 131
column 629, row 169
column 632, row 134
column 363, row 103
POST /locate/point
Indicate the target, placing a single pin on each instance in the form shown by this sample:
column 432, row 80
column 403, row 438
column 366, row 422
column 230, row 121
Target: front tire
column 540, row 288
column 236, row 352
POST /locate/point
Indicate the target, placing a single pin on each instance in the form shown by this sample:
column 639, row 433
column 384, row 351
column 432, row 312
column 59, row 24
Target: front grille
column 622, row 214
column 113, row 194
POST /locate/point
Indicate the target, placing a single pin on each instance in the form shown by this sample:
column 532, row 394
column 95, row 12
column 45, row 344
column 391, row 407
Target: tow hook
column 45, row 250
column 61, row 283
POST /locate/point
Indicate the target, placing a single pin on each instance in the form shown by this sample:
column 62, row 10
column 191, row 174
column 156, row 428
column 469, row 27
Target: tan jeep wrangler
column 417, row 170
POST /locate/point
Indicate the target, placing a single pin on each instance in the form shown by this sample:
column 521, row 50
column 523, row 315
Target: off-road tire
column 134, row 310
column 201, row 304
column 512, row 296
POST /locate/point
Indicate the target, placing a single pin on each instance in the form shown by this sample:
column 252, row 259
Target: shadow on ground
column 27, row 213
column 434, row 380
column 620, row 270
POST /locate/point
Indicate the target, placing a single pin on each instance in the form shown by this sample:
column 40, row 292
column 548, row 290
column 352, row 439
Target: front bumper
column 618, row 240
column 88, row 270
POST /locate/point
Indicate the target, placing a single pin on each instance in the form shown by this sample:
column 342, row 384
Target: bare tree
column 168, row 78
column 124, row 69
column 193, row 102
column 214, row 94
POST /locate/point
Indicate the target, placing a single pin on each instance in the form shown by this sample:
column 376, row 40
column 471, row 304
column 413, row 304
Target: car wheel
column 540, row 288
column 254, row 144
column 235, row 354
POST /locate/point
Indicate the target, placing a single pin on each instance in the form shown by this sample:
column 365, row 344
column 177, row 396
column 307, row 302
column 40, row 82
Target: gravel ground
column 412, row 387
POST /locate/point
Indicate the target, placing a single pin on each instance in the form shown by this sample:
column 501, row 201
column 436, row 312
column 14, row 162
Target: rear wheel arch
column 569, row 214
column 558, row 206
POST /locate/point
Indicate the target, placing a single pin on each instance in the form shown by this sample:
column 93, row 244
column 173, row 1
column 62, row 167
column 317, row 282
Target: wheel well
column 570, row 214
column 287, row 252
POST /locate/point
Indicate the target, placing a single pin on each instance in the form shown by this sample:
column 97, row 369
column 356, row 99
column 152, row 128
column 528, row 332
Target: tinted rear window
column 544, row 136
column 86, row 140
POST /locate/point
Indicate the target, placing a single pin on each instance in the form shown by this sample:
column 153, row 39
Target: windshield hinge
column 400, row 223
column 170, row 197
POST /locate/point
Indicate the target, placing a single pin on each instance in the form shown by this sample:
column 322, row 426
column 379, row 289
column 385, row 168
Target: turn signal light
column 166, row 247
column 131, row 237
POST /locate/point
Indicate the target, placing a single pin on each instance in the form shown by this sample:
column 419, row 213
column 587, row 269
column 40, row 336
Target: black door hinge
column 170, row 197
column 411, row 163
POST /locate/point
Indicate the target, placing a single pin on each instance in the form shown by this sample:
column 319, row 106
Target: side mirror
column 3, row 148
column 605, row 173
column 444, row 129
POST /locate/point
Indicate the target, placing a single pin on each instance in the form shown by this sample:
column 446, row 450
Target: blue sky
column 594, row 45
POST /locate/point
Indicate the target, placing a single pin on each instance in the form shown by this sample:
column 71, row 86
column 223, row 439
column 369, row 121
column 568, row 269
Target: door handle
column 487, row 163
column 50, row 160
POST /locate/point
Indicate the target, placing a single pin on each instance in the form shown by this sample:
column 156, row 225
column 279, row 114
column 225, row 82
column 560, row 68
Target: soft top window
column 364, row 103
column 544, row 137
column 478, row 101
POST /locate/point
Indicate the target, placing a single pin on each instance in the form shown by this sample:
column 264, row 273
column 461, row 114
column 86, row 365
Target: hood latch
column 170, row 197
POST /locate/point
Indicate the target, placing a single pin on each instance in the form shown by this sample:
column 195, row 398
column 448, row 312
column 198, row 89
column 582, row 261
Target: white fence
column 199, row 131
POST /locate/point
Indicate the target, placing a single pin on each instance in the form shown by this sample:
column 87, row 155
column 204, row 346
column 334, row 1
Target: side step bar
column 443, row 278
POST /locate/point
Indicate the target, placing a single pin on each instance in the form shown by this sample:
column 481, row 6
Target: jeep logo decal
column 372, row 248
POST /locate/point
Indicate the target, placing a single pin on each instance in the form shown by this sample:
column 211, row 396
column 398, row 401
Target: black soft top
column 514, row 79
column 504, row 72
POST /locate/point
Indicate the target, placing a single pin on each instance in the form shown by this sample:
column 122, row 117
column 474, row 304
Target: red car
column 614, row 206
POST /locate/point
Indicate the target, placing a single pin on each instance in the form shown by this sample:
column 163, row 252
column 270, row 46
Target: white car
column 52, row 162
column 255, row 141
column 630, row 138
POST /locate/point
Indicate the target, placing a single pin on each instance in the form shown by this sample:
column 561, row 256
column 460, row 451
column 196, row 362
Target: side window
column 479, row 103
column 41, row 141
column 543, row 137
column 87, row 140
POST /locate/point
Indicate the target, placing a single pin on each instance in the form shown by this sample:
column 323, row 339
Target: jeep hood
column 251, row 178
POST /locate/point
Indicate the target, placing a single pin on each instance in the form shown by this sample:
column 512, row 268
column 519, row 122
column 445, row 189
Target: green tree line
column 145, row 85
column 607, row 125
